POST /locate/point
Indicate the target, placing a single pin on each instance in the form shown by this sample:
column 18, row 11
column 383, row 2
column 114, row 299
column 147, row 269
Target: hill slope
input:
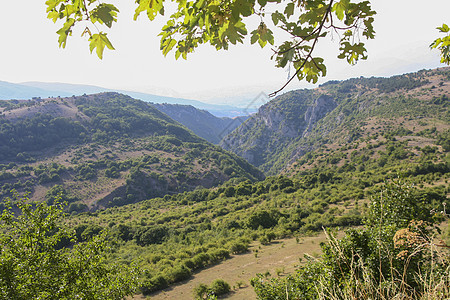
column 201, row 122
column 105, row 149
column 368, row 140
column 300, row 121
column 28, row 90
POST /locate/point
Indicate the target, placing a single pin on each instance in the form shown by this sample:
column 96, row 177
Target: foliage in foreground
column 394, row 255
column 39, row 260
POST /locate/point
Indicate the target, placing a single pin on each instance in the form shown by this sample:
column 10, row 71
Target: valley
column 185, row 211
column 107, row 149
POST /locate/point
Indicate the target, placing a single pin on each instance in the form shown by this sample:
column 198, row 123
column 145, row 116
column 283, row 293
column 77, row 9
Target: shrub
column 201, row 291
column 220, row 287
column 34, row 267
column 219, row 254
column 262, row 218
column 154, row 284
column 151, row 235
column 392, row 256
column 200, row 260
column 179, row 273
column 238, row 248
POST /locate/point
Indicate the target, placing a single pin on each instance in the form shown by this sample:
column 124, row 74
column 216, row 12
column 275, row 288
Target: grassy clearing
column 282, row 256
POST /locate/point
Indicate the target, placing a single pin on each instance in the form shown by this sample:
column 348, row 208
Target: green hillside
column 104, row 150
column 339, row 113
column 173, row 237
column 201, row 122
column 338, row 146
column 329, row 186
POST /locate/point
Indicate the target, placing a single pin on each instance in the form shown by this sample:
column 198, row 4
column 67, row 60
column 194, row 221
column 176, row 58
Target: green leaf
column 352, row 52
column 262, row 2
column 443, row 45
column 255, row 36
column 78, row 4
column 65, row 31
column 444, row 28
column 52, row 4
column 152, row 7
column 104, row 14
column 235, row 32
column 167, row 45
column 100, row 41
column 53, row 15
column 289, row 10
column 340, row 8
column 277, row 16
column 242, row 7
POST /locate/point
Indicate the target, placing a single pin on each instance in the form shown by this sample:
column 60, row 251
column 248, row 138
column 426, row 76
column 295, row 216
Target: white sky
column 29, row 52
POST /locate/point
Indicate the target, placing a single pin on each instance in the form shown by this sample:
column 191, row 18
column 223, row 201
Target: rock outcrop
column 277, row 125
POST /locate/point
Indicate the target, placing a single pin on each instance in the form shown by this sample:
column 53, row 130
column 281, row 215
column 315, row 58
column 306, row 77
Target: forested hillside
column 333, row 151
column 173, row 237
column 201, row 122
column 339, row 113
column 104, row 150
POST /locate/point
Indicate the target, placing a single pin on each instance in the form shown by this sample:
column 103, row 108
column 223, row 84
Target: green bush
column 178, row 274
column 238, row 248
column 33, row 266
column 220, row 287
column 385, row 259
column 154, row 284
column 201, row 291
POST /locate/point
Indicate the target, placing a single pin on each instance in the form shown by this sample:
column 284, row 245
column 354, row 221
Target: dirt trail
column 241, row 268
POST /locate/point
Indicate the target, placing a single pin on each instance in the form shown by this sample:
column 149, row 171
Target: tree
column 36, row 262
column 225, row 23
column 384, row 260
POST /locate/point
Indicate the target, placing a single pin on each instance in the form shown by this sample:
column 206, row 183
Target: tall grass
column 360, row 282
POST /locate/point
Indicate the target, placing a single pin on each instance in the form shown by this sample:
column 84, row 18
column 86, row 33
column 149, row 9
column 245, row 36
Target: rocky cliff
column 333, row 114
column 277, row 125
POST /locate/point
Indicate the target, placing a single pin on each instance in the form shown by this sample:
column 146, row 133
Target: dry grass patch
column 280, row 257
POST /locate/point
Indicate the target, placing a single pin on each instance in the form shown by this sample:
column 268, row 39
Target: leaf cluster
column 443, row 44
column 224, row 23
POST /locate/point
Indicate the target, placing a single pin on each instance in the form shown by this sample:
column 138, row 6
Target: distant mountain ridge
column 201, row 122
column 28, row 90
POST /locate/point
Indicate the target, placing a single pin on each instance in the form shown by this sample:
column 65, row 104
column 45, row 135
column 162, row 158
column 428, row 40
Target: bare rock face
column 277, row 125
column 323, row 105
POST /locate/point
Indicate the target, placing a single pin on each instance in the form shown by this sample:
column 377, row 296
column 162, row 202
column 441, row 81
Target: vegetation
column 443, row 44
column 40, row 259
column 222, row 24
column 342, row 113
column 217, row 288
column 105, row 150
column 394, row 254
column 175, row 236
column 34, row 134
column 201, row 122
column 342, row 165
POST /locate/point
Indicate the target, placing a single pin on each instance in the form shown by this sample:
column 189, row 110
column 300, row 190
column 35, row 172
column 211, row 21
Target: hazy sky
column 29, row 52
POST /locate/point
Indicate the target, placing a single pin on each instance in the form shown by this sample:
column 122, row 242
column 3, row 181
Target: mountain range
column 339, row 112
column 173, row 203
column 28, row 90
